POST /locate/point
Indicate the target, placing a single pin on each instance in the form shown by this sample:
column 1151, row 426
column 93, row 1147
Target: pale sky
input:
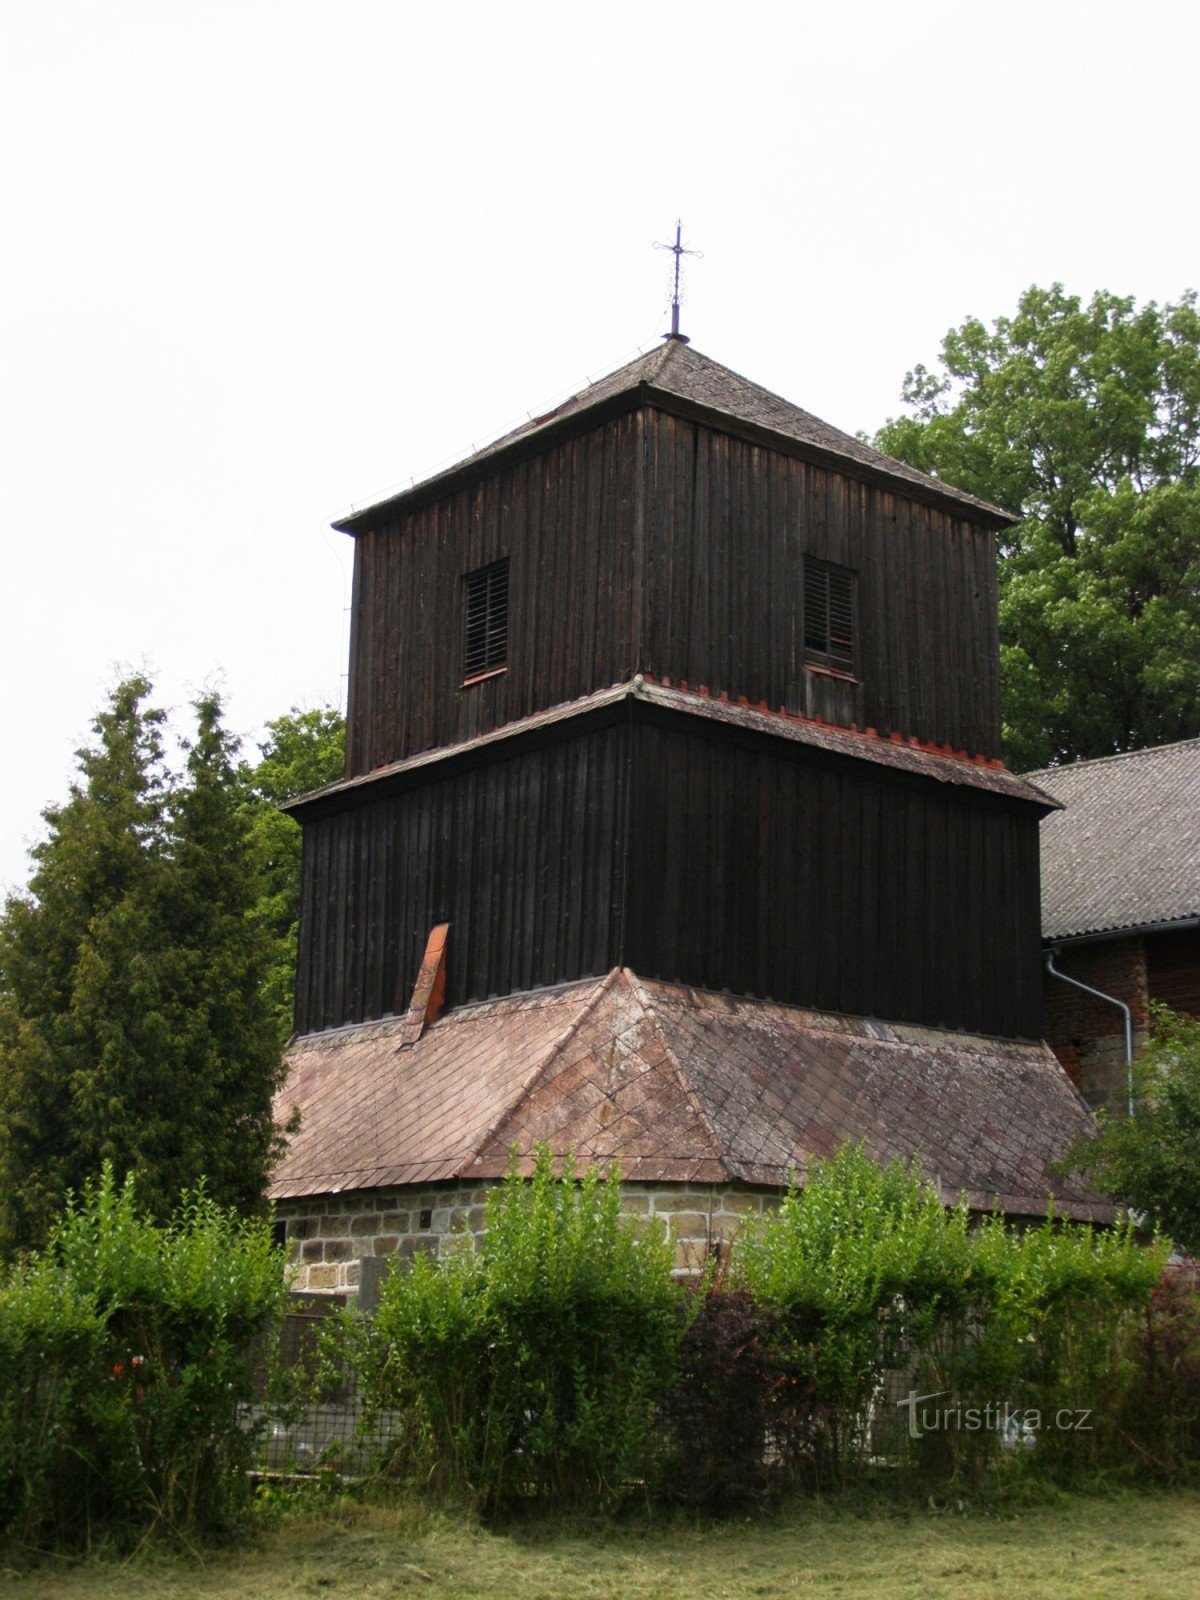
column 264, row 259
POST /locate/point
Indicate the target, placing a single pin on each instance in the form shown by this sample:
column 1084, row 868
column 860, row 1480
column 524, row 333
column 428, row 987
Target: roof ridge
column 1117, row 755
column 690, row 1095
column 530, row 1083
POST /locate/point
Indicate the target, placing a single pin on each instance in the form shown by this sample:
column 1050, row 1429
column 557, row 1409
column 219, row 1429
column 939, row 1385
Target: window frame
column 485, row 622
column 829, row 613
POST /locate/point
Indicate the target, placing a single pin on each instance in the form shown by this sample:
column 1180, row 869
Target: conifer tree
column 132, row 1021
column 102, row 848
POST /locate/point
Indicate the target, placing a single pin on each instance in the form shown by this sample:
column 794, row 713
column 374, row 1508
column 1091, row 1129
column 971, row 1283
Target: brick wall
column 1087, row 1035
column 328, row 1237
column 1173, row 969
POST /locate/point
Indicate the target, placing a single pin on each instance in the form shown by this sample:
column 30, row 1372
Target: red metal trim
column 482, row 677
column 871, row 734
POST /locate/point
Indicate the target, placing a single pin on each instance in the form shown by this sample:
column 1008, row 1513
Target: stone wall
column 1087, row 1035
column 329, row 1236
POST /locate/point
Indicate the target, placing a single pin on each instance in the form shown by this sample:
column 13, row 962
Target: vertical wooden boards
column 886, row 894
column 728, row 524
column 656, row 541
column 522, row 855
column 565, row 519
column 694, row 853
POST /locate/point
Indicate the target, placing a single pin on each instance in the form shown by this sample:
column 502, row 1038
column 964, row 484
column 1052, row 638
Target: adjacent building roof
column 677, row 371
column 938, row 762
column 1125, row 851
column 677, row 1085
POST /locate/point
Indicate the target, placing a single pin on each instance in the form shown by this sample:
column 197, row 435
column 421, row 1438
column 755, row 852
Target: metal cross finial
column 678, row 251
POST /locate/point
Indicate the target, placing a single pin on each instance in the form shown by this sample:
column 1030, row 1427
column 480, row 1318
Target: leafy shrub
column 1043, row 1333
column 862, row 1265
column 723, row 1420
column 532, row 1367
column 1159, row 1417
column 877, row 1283
column 1149, row 1160
column 125, row 1355
column 52, row 1341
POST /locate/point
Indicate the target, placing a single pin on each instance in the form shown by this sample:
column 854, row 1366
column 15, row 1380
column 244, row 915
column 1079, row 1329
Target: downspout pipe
column 1109, row 999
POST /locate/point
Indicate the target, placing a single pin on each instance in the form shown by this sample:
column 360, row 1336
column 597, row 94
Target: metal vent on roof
column 828, row 614
column 487, row 619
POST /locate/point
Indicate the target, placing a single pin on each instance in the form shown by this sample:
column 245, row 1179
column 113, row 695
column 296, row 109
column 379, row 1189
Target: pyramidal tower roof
column 677, row 371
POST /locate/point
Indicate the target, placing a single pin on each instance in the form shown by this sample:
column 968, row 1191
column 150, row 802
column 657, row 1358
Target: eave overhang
column 644, row 696
column 556, row 430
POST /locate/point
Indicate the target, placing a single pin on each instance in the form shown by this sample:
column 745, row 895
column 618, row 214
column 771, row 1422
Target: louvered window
column 487, row 620
column 828, row 615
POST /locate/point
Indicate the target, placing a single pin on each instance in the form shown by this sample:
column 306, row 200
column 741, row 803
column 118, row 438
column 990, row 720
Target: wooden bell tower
column 677, row 678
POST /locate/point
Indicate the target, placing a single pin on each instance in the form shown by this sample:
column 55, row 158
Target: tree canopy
column 134, row 1026
column 1083, row 421
column 1149, row 1159
column 303, row 750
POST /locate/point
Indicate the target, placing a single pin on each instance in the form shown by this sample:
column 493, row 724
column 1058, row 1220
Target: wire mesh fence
column 310, row 1418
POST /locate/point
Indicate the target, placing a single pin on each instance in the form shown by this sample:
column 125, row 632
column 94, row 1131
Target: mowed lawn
column 1143, row 1546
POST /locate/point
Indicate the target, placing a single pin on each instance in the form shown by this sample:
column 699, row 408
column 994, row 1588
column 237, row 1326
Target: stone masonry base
column 329, row 1236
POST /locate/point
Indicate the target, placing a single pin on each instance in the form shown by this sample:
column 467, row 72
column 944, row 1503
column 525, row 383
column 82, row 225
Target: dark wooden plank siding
column 689, row 853
column 727, row 525
column 707, row 590
column 565, row 520
column 777, row 872
column 521, row 855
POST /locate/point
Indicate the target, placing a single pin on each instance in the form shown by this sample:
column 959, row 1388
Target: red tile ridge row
column 908, row 741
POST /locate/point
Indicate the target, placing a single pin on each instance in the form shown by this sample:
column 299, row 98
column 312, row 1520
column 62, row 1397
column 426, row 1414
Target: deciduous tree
column 303, row 750
column 1084, row 421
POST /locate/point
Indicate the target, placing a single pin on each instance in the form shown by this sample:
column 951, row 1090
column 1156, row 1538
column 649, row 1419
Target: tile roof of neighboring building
column 905, row 755
column 1125, row 851
column 676, row 369
column 677, row 1085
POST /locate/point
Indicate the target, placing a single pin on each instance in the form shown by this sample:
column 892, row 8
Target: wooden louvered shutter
column 487, row 619
column 841, row 618
column 828, row 615
column 816, row 609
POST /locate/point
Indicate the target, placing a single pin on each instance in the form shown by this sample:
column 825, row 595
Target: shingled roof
column 677, row 1085
column 938, row 762
column 1125, row 851
column 678, row 371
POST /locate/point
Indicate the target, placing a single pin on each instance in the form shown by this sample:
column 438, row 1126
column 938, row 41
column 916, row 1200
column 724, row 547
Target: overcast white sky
column 265, row 258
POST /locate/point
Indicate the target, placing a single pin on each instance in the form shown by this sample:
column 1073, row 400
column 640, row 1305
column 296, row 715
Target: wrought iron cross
column 678, row 251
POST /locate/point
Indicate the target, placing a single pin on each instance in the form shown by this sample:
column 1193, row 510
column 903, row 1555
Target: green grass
column 1145, row 1546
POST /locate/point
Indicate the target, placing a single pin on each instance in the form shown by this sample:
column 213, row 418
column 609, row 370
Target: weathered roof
column 938, row 762
column 677, row 370
column 1125, row 851
column 677, row 1085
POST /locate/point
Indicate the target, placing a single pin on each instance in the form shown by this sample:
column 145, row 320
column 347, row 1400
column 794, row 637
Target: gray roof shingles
column 1124, row 853
column 678, row 369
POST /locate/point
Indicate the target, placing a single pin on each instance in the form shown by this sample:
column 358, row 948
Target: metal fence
column 310, row 1418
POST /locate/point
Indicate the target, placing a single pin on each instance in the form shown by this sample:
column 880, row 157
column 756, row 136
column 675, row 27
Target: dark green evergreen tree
column 102, row 851
column 133, row 1024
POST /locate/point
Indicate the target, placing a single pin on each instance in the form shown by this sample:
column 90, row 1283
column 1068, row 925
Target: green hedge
column 559, row 1361
column 124, row 1362
column 532, row 1368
